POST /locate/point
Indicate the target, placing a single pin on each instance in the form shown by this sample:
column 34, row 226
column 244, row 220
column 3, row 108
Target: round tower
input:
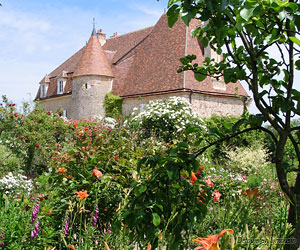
column 92, row 79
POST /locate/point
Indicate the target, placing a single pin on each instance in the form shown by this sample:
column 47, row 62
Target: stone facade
column 53, row 104
column 88, row 94
column 203, row 105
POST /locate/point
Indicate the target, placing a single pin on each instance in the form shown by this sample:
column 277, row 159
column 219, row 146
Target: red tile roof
column 142, row 62
column 93, row 60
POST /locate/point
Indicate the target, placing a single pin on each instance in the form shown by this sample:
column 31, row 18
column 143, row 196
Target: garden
column 135, row 183
column 165, row 178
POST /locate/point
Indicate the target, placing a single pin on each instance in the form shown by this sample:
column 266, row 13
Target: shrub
column 113, row 105
column 166, row 119
column 247, row 159
column 32, row 137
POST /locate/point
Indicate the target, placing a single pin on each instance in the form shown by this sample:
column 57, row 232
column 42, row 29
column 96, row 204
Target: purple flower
column 34, row 233
column 66, row 226
column 2, row 242
column 35, row 212
column 95, row 218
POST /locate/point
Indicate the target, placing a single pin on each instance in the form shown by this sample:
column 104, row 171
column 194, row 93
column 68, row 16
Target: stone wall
column 88, row 94
column 53, row 104
column 204, row 105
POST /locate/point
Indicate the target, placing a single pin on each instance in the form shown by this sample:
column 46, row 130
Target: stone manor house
column 138, row 66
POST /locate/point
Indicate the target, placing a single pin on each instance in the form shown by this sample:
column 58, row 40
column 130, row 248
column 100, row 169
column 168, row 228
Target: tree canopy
column 259, row 43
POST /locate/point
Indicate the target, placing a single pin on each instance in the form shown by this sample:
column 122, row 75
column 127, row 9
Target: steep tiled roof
column 142, row 62
column 93, row 60
column 123, row 44
column 157, row 60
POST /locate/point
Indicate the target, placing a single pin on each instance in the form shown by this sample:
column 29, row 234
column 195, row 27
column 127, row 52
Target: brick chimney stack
column 101, row 36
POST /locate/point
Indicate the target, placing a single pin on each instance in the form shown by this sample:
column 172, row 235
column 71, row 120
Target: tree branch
column 226, row 138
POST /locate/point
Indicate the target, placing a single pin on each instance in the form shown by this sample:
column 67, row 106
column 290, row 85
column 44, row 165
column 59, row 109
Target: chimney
column 114, row 35
column 101, row 36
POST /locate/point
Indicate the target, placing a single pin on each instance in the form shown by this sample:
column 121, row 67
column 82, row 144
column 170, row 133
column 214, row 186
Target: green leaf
column 171, row 2
column 172, row 15
column 199, row 77
column 156, row 219
column 246, row 13
column 295, row 40
column 188, row 16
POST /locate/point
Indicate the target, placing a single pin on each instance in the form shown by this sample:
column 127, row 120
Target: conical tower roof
column 93, row 60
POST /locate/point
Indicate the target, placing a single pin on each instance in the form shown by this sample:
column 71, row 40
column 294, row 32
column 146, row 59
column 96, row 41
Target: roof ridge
column 130, row 32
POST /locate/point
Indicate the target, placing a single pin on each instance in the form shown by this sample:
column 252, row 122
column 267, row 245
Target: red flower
column 54, row 158
column 61, row 171
column 116, row 157
column 16, row 114
column 193, row 177
column 37, row 145
column 68, row 176
column 82, row 194
column 97, row 173
column 211, row 242
column 75, row 125
column 217, row 196
column 208, row 182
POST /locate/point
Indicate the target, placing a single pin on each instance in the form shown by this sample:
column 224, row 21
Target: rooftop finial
column 94, row 33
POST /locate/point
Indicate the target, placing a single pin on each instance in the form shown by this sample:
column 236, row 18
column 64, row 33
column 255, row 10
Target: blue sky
column 38, row 35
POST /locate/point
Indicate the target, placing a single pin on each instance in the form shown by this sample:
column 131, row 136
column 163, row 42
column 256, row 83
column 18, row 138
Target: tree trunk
column 293, row 242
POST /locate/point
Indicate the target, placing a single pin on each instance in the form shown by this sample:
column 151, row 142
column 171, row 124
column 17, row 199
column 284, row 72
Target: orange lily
column 97, row 173
column 106, row 246
column 148, row 247
column 82, row 194
column 211, row 242
column 61, row 171
column 72, row 247
column 193, row 177
column 217, row 196
column 251, row 192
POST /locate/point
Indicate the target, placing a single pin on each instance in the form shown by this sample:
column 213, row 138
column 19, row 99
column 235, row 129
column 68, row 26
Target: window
column 60, row 86
column 44, row 88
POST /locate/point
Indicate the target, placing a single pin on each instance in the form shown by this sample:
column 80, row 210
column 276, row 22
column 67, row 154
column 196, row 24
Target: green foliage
column 163, row 205
column 251, row 32
column 113, row 105
column 9, row 161
column 218, row 127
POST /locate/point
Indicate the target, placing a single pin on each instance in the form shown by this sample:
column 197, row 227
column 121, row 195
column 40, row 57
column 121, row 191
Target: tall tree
column 254, row 33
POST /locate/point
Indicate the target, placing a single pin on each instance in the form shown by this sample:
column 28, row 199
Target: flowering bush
column 12, row 184
column 247, row 159
column 165, row 118
column 33, row 136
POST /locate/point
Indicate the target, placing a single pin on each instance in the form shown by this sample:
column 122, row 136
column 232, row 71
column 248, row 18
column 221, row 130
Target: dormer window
column 61, row 86
column 44, row 88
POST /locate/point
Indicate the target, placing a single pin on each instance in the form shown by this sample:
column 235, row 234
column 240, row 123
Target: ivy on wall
column 113, row 105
